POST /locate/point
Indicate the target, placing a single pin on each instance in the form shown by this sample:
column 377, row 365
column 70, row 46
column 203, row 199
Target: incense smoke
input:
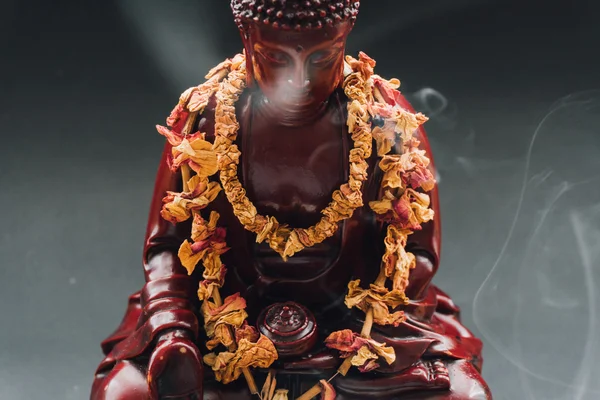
column 538, row 303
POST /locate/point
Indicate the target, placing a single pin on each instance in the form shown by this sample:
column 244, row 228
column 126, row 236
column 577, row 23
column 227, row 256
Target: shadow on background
column 514, row 129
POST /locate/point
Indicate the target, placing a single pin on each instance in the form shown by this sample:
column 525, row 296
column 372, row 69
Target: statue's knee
column 162, row 264
column 421, row 275
column 466, row 383
column 126, row 381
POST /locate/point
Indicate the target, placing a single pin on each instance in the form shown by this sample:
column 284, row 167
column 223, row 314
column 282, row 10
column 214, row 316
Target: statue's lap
column 432, row 376
column 127, row 381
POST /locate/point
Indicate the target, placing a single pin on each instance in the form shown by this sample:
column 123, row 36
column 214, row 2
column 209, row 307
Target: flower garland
column 403, row 206
column 284, row 240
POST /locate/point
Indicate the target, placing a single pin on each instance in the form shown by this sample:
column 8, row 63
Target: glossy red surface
column 293, row 157
column 291, row 327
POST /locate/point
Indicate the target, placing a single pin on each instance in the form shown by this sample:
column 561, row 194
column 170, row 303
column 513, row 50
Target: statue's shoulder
column 393, row 116
column 195, row 110
column 386, row 91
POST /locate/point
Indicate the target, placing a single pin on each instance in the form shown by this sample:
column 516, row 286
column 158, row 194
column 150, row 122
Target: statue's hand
column 175, row 368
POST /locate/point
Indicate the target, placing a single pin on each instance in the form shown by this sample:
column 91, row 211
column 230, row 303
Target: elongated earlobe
column 249, row 57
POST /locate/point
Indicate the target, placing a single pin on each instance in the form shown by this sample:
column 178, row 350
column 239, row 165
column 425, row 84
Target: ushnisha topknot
column 294, row 14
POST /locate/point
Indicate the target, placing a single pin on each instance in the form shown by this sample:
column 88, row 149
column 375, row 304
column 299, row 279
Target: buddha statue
column 293, row 234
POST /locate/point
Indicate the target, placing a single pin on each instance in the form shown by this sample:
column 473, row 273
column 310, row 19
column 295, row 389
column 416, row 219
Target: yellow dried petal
column 198, row 153
column 362, row 356
column 381, row 206
column 260, row 354
column 385, row 140
column 176, row 210
column 223, row 66
column 380, row 300
column 217, row 320
column 292, row 245
column 213, row 266
column 218, row 361
column 383, row 351
column 188, row 259
column 206, row 291
column 268, row 229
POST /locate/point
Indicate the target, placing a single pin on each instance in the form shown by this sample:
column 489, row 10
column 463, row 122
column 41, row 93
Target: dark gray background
column 510, row 87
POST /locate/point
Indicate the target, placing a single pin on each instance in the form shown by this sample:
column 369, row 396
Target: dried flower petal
column 217, row 319
column 228, row 367
column 351, row 343
column 222, row 66
column 407, row 212
column 207, row 288
column 369, row 366
column 385, row 139
column 198, row 154
column 364, row 65
column 247, row 332
column 188, row 258
column 178, row 207
column 363, row 356
column 380, row 300
column 174, row 138
column 327, row 390
column 213, row 267
column 396, row 261
column 218, row 361
column 178, row 117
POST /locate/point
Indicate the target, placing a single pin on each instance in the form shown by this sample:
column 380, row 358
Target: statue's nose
column 299, row 79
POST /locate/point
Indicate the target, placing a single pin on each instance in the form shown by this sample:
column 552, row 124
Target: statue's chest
column 291, row 172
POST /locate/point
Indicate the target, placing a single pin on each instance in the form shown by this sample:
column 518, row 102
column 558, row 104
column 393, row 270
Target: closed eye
column 323, row 57
column 277, row 57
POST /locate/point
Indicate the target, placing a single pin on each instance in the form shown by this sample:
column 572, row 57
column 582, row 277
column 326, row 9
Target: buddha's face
column 297, row 71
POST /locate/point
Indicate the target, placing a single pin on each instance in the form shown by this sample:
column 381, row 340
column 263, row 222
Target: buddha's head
column 295, row 49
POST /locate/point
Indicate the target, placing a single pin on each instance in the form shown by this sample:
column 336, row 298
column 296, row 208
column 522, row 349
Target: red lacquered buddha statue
column 293, row 234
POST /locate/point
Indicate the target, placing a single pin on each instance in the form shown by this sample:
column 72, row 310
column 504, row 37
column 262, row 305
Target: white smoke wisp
column 433, row 102
column 537, row 305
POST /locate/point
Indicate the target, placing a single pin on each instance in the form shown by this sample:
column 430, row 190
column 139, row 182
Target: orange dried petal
column 350, row 342
column 327, row 390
